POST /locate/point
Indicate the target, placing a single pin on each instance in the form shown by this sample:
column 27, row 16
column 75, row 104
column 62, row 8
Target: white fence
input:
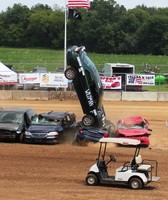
column 108, row 95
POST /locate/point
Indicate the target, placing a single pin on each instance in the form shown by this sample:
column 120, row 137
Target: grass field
column 26, row 59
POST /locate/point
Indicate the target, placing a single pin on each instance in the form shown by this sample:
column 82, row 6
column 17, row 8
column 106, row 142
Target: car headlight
column 27, row 133
column 18, row 132
column 53, row 133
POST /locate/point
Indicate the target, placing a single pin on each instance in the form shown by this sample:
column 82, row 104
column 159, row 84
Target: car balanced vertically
column 86, row 80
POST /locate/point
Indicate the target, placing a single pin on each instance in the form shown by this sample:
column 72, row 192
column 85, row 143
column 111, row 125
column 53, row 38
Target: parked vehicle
column 87, row 83
column 14, row 121
column 39, row 70
column 49, row 127
column 135, row 127
column 90, row 134
column 136, row 173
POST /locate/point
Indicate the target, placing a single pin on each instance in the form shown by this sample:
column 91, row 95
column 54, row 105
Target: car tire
column 21, row 138
column 135, row 183
column 88, row 120
column 91, row 180
column 70, row 73
column 16, row 138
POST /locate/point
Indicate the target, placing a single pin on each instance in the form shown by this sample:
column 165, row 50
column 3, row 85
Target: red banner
column 111, row 83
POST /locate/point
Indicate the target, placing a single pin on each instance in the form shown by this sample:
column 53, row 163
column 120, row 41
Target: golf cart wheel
column 135, row 183
column 70, row 73
column 88, row 120
column 91, row 180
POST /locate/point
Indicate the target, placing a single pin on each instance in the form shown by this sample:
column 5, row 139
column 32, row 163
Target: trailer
column 121, row 69
column 111, row 69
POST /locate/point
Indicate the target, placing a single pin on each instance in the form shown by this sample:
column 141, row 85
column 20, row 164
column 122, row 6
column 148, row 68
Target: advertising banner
column 53, row 80
column 8, row 78
column 29, row 78
column 111, row 83
column 140, row 79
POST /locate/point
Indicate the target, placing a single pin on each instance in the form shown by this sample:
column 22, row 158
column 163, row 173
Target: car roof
column 55, row 114
column 123, row 141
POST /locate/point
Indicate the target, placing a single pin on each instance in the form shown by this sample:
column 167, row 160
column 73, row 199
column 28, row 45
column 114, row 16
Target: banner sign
column 53, row 80
column 8, row 78
column 111, row 83
column 140, row 79
column 29, row 78
column 44, row 79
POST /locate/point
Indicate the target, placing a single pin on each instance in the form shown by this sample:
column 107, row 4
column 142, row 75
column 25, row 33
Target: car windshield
column 87, row 60
column 130, row 126
column 39, row 120
column 11, row 117
column 93, row 79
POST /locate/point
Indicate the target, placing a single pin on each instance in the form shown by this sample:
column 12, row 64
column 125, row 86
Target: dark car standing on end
column 13, row 123
column 88, row 86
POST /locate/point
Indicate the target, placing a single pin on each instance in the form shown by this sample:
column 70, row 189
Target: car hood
column 133, row 132
column 44, row 129
column 9, row 126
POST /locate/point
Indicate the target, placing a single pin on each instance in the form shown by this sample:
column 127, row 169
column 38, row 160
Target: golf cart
column 135, row 173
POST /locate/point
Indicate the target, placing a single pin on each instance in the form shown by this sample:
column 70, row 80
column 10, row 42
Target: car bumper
column 7, row 137
column 41, row 139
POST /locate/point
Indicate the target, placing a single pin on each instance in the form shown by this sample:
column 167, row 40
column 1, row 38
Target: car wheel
column 135, row 183
column 91, row 180
column 16, row 138
column 70, row 73
column 88, row 120
column 21, row 138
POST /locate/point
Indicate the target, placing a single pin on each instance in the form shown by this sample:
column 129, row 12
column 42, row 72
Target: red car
column 135, row 127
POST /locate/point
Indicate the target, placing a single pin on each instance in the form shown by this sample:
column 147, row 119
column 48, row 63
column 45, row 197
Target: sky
column 128, row 4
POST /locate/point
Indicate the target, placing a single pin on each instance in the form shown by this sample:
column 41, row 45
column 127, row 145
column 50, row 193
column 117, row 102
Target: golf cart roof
column 123, row 141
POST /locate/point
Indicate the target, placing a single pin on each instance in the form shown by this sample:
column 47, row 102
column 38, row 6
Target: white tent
column 7, row 76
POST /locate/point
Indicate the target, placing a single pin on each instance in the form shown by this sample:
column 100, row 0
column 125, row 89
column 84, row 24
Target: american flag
column 78, row 4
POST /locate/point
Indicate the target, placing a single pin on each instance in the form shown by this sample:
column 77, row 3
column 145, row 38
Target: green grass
column 26, row 59
column 156, row 88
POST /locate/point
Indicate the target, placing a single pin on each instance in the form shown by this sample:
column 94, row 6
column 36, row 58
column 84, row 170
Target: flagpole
column 65, row 36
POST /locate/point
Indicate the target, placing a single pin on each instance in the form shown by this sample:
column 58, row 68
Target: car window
column 89, row 77
column 129, row 126
column 44, row 121
column 11, row 117
column 87, row 60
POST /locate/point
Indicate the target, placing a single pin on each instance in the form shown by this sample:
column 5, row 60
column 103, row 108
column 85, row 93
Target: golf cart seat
column 138, row 159
column 103, row 169
column 135, row 162
column 138, row 165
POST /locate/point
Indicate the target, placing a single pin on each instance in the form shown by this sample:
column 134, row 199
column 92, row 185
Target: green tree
column 153, row 36
column 15, row 21
column 56, row 29
column 37, row 30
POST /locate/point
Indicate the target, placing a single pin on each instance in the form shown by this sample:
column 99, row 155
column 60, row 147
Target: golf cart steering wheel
column 112, row 158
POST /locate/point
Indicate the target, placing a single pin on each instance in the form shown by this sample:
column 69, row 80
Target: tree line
column 106, row 27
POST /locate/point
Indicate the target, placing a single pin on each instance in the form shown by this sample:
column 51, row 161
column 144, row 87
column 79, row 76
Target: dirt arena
column 57, row 172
